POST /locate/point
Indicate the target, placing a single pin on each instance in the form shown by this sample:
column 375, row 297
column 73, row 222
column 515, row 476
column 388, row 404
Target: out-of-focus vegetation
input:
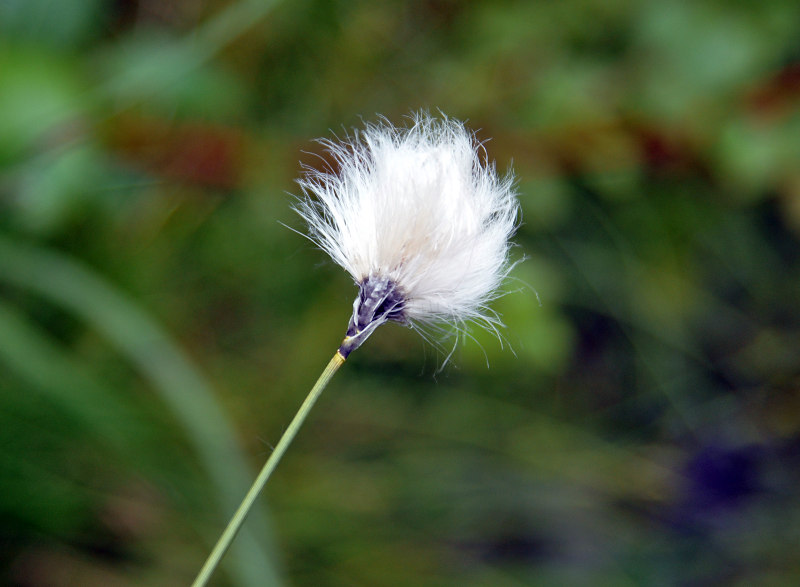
column 159, row 325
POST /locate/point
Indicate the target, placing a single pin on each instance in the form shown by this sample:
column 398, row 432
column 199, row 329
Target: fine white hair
column 420, row 212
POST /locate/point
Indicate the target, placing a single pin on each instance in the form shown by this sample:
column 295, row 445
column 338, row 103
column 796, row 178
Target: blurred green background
column 159, row 326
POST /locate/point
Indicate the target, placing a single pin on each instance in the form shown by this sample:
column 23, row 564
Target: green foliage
column 643, row 431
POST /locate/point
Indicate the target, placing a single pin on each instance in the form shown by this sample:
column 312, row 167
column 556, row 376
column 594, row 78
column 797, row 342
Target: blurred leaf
column 52, row 192
column 692, row 54
column 151, row 68
column 181, row 386
column 46, row 367
column 40, row 97
column 752, row 157
column 61, row 24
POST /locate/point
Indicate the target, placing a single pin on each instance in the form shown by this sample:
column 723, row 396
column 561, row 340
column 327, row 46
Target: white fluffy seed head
column 417, row 210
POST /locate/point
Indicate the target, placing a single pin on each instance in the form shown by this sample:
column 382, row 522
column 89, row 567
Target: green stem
column 238, row 518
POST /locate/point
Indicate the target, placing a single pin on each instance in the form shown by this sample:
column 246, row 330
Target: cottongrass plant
column 421, row 220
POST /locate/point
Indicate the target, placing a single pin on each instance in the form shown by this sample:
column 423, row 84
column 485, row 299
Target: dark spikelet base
column 379, row 300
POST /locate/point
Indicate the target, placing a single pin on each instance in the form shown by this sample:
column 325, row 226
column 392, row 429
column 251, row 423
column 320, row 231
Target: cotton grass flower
column 418, row 219
column 421, row 222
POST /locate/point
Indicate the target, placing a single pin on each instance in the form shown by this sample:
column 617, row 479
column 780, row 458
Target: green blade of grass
column 77, row 289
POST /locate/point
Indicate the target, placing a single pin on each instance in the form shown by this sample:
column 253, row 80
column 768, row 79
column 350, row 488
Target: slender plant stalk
column 238, row 518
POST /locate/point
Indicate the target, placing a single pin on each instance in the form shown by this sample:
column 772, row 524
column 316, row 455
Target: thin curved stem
column 238, row 518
